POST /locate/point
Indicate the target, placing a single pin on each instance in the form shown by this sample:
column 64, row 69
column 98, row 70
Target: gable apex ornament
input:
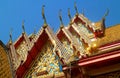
column 69, row 15
column 23, row 28
column 60, row 17
column 76, row 8
column 10, row 35
column 44, row 18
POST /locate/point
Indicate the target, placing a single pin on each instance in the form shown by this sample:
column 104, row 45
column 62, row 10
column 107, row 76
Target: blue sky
column 13, row 12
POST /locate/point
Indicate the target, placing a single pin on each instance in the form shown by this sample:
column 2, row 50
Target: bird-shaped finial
column 23, row 28
column 76, row 8
column 34, row 30
column 43, row 15
column 10, row 42
column 83, row 11
column 60, row 17
column 106, row 13
column 69, row 15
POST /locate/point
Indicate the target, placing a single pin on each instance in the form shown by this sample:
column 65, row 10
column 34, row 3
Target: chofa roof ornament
column 23, row 28
column 60, row 17
column 69, row 15
column 76, row 8
column 44, row 18
column 103, row 20
column 10, row 42
column 106, row 14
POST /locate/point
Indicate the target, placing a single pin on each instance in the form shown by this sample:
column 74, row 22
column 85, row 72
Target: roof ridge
column 113, row 26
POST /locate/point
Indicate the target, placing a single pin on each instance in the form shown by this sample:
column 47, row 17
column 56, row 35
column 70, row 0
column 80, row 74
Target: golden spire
column 76, row 8
column 10, row 42
column 23, row 27
column 60, row 17
column 69, row 15
column 44, row 18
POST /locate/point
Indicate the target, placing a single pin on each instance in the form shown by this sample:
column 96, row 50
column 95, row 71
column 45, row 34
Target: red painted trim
column 23, row 68
column 100, row 58
column 61, row 34
column 98, row 33
column 91, row 29
column 111, row 43
column 21, row 71
column 71, row 29
column 19, row 41
column 78, row 19
column 109, row 46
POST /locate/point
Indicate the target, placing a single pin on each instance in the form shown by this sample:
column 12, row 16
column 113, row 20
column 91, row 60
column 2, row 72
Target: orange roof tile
column 112, row 34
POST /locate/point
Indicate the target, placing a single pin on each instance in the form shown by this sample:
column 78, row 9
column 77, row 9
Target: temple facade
column 82, row 49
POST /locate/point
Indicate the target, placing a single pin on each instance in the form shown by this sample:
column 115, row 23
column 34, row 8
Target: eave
column 111, row 56
column 98, row 59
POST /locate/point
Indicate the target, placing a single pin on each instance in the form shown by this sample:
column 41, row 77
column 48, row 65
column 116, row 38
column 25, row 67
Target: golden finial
column 83, row 11
column 69, row 15
column 34, row 30
column 34, row 33
column 103, row 20
column 76, row 8
column 44, row 18
column 60, row 17
column 23, row 27
column 10, row 42
column 106, row 13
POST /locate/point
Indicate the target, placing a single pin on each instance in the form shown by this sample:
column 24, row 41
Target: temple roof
column 5, row 63
column 112, row 34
